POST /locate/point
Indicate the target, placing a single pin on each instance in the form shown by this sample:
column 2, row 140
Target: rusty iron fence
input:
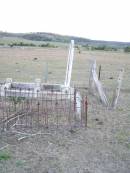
column 36, row 110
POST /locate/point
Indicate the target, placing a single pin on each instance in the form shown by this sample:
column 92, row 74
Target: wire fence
column 29, row 109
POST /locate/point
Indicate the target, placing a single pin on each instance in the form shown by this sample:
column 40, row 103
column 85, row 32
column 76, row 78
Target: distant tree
column 21, row 44
column 127, row 49
column 2, row 44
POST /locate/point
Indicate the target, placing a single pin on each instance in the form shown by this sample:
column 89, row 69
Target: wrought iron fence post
column 4, row 109
column 99, row 72
column 38, row 110
column 86, row 111
column 75, row 99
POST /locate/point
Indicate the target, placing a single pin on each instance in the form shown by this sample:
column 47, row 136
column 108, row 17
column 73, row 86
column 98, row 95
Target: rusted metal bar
column 99, row 72
column 37, row 105
column 82, row 110
column 56, row 110
column 86, row 111
column 75, row 99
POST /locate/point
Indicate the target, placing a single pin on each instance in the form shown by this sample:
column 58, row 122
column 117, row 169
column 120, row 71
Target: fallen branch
column 29, row 134
column 4, row 147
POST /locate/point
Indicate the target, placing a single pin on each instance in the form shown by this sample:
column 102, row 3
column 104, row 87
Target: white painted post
column 37, row 86
column 7, row 85
column 78, row 104
column 117, row 91
column 95, row 82
column 69, row 64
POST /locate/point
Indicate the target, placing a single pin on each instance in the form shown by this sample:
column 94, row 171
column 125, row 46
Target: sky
column 94, row 19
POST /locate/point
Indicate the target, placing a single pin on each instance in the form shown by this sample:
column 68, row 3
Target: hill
column 50, row 37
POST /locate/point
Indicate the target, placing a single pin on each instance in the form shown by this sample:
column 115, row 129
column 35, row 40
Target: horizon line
column 64, row 35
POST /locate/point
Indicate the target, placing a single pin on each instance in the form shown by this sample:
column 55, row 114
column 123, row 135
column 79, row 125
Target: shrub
column 127, row 49
column 47, row 45
column 4, row 156
column 21, row 44
column 2, row 44
column 105, row 48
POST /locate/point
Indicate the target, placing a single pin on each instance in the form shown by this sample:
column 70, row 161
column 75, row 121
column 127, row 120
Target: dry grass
column 103, row 147
column 20, row 64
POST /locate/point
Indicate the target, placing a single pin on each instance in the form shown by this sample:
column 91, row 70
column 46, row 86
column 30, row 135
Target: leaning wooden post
column 91, row 81
column 69, row 64
column 117, row 91
column 95, row 83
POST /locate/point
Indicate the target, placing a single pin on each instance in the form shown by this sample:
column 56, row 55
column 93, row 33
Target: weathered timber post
column 117, row 90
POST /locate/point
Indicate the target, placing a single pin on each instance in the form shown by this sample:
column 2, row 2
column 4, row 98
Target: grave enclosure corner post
column 86, row 111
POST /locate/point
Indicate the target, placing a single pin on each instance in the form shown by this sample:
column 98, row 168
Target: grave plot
column 48, row 110
column 36, row 105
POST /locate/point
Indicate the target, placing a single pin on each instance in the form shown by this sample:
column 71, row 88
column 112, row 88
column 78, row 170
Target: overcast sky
column 94, row 19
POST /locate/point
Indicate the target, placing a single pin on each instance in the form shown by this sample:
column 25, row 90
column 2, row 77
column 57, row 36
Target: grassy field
column 26, row 64
column 103, row 147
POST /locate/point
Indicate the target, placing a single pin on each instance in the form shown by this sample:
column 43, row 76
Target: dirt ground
column 102, row 147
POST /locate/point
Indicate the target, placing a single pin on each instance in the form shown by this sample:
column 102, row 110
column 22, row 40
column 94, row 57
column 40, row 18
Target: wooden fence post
column 117, row 90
